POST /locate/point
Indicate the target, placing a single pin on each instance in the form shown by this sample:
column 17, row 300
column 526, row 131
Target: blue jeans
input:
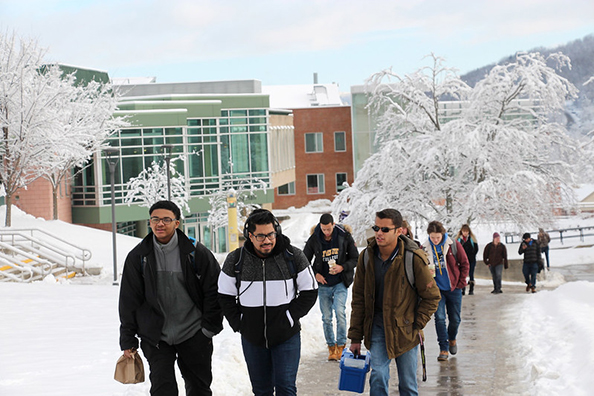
column 530, row 270
column 452, row 301
column 273, row 368
column 333, row 300
column 545, row 250
column 406, row 364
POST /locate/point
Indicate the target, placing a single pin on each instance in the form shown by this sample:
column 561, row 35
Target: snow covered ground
column 61, row 338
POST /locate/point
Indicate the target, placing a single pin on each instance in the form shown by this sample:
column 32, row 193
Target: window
column 287, row 189
column 340, row 179
column 339, row 141
column 315, row 184
column 314, row 142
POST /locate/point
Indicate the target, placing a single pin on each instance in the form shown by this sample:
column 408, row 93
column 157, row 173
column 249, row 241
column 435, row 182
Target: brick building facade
column 323, row 156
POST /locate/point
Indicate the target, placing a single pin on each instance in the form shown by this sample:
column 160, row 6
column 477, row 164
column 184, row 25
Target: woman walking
column 470, row 245
column 448, row 259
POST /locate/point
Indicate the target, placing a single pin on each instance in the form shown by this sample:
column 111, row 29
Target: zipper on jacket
column 264, row 302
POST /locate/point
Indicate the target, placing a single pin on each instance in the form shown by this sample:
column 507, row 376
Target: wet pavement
column 484, row 365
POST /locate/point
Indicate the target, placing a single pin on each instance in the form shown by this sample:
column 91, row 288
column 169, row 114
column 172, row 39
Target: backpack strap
column 290, row 259
column 237, row 270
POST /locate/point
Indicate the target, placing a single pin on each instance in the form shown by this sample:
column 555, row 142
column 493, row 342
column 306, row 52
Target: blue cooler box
column 353, row 371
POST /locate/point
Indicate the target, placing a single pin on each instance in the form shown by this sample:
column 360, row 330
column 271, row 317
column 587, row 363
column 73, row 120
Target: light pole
column 167, row 155
column 112, row 160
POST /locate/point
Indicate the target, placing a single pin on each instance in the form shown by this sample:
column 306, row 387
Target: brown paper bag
column 129, row 371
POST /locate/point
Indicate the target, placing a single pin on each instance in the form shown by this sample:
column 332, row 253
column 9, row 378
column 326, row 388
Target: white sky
column 286, row 41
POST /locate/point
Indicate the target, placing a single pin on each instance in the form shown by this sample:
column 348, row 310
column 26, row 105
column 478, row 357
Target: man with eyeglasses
column 169, row 298
column 388, row 313
column 265, row 287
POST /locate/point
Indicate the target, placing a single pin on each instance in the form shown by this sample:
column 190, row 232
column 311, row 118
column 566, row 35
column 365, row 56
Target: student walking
column 495, row 256
column 543, row 240
column 168, row 298
column 388, row 313
column 450, row 263
column 265, row 287
column 334, row 266
column 470, row 245
column 531, row 251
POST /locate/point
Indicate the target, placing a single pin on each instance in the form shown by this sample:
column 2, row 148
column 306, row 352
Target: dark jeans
column 452, row 301
column 273, row 368
column 496, row 273
column 471, row 271
column 530, row 270
column 194, row 358
column 545, row 250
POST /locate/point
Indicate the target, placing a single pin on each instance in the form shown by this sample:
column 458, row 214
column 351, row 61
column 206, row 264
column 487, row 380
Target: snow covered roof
column 584, row 191
column 303, row 96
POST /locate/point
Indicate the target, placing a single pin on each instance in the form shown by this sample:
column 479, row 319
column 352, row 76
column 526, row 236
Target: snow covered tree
column 217, row 215
column 461, row 154
column 84, row 121
column 27, row 113
column 150, row 186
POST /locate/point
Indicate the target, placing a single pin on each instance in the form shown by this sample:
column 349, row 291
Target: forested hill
column 581, row 53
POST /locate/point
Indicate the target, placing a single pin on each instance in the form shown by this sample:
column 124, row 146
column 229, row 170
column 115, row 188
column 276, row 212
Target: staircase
column 28, row 255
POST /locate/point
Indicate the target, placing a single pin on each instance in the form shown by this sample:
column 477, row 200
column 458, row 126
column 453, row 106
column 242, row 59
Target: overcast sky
column 282, row 42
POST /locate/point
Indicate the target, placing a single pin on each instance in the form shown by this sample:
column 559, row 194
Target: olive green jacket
column 402, row 322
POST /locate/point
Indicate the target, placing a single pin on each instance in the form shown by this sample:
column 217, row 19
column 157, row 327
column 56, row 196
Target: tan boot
column 331, row 352
column 339, row 349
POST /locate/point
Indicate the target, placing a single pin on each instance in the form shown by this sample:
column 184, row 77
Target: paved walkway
column 484, row 365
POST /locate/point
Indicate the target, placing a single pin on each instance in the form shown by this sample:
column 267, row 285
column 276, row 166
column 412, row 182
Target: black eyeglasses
column 384, row 229
column 262, row 237
column 165, row 220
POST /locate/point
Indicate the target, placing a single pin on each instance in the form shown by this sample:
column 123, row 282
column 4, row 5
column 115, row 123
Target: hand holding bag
column 129, row 370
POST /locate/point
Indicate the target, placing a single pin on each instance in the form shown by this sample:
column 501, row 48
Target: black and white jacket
column 268, row 308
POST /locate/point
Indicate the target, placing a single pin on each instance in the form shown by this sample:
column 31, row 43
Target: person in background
column 451, row 271
column 334, row 265
column 543, row 240
column 407, row 232
column 265, row 288
column 388, row 313
column 531, row 251
column 168, row 298
column 470, row 245
column 495, row 256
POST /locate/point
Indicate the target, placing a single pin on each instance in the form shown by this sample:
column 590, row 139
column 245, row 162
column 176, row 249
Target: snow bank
column 557, row 339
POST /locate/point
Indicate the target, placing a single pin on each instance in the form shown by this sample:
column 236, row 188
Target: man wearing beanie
column 495, row 256
column 531, row 251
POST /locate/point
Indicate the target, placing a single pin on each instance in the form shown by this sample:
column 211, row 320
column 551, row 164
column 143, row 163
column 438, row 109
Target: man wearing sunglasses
column 388, row 313
column 265, row 287
column 169, row 299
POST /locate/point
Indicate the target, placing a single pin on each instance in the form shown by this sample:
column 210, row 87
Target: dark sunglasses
column 384, row 229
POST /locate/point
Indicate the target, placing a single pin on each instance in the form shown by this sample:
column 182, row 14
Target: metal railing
column 42, row 248
column 561, row 234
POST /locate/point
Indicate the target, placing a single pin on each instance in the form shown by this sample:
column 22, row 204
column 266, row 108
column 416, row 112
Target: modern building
column 323, row 142
column 224, row 133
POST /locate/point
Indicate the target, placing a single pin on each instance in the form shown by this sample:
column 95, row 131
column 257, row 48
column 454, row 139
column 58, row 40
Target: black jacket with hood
column 140, row 313
column 268, row 308
column 347, row 253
